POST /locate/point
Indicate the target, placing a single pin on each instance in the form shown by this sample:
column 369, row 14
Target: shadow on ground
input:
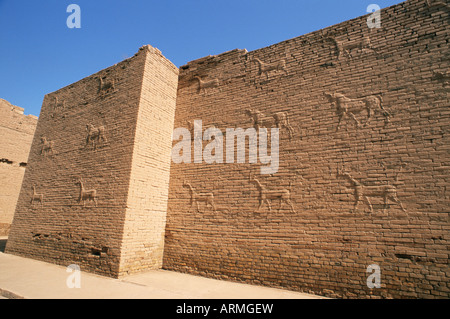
column 2, row 245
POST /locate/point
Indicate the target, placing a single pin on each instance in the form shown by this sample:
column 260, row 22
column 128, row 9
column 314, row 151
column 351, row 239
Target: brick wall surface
column 399, row 152
column 363, row 166
column 16, row 134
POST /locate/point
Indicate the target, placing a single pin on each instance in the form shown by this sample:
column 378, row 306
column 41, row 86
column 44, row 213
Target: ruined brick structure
column 16, row 134
column 363, row 176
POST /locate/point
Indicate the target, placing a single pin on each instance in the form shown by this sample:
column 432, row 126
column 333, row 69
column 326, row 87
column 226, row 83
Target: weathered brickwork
column 368, row 113
column 16, row 134
column 363, row 171
column 144, row 228
column 89, row 148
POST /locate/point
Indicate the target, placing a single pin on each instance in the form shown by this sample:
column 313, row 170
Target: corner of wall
column 143, row 235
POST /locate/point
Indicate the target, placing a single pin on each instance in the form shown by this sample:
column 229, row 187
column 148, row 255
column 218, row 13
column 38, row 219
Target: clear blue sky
column 39, row 54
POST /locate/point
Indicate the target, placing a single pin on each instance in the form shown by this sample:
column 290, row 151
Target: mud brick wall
column 400, row 152
column 86, row 153
column 16, row 134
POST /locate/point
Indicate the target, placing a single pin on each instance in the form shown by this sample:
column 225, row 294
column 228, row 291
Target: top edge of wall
column 4, row 104
column 157, row 52
column 98, row 73
column 145, row 48
column 210, row 58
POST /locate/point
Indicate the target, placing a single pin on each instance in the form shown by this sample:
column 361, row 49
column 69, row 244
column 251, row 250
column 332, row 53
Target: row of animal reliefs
column 344, row 49
column 263, row 69
column 266, row 196
column 345, row 108
column 85, row 195
column 361, row 193
column 95, row 136
column 258, row 120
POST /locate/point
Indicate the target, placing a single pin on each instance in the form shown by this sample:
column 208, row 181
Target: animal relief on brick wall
column 266, row 196
column 279, row 119
column 47, row 147
column 196, row 198
column 349, row 48
column 86, row 194
column 266, row 68
column 205, row 86
column 351, row 107
column 362, row 192
column 95, row 136
column 37, row 198
column 106, row 86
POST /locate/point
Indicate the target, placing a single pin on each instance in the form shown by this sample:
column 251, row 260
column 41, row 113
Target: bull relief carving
column 95, row 136
column 204, row 86
column 363, row 193
column 280, row 119
column 86, row 195
column 59, row 105
column 345, row 48
column 266, row 196
column 47, row 147
column 36, row 197
column 106, row 86
column 266, row 68
column 350, row 107
column 196, row 198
